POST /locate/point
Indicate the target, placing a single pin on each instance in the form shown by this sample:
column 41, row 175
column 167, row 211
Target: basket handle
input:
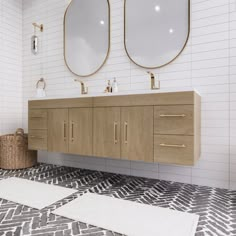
column 20, row 140
column 19, row 132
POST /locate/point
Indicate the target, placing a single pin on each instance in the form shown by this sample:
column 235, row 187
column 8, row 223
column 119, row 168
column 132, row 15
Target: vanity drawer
column 38, row 140
column 174, row 149
column 38, row 119
column 174, row 120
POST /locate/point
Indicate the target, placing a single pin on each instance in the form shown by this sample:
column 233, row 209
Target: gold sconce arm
column 38, row 26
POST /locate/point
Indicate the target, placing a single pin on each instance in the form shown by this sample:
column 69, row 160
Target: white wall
column 232, row 81
column 207, row 64
column 10, row 65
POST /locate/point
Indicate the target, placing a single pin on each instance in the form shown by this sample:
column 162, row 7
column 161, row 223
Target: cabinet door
column 58, row 130
column 106, row 135
column 137, row 133
column 80, row 132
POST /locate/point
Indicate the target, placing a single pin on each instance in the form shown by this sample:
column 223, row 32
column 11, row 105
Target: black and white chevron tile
column 216, row 207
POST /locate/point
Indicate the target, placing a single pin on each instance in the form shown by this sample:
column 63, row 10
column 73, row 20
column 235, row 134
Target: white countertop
column 136, row 92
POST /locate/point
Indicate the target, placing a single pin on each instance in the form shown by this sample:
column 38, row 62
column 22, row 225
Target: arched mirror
column 156, row 31
column 86, row 35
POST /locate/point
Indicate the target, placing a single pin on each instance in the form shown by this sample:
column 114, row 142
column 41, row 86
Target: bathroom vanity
column 160, row 127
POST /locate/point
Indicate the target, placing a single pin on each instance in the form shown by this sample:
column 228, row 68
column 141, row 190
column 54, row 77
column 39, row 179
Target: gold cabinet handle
column 72, row 131
column 115, row 133
column 126, row 132
column 173, row 145
column 64, row 130
column 166, row 115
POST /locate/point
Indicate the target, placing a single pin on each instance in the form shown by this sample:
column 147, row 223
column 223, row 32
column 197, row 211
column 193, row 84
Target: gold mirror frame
column 109, row 40
column 185, row 44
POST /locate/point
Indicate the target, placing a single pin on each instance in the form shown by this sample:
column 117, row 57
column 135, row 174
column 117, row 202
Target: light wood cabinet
column 58, row 130
column 38, row 139
column 106, row 132
column 70, row 131
column 174, row 149
column 137, row 133
column 124, row 133
column 38, row 119
column 38, row 129
column 162, row 127
column 81, row 131
column 177, row 131
column 174, row 120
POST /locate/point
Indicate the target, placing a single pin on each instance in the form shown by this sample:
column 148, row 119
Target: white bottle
column 114, row 86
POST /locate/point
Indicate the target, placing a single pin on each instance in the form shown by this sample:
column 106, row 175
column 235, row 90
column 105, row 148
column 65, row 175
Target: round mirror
column 156, row 31
column 86, row 35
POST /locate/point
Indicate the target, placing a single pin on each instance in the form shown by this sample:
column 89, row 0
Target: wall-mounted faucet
column 153, row 81
column 84, row 90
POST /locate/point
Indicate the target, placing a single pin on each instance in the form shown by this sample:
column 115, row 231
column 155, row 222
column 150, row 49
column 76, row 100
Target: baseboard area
column 101, row 164
column 182, row 174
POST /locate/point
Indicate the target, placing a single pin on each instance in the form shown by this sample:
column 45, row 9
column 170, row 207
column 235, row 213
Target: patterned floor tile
column 216, row 207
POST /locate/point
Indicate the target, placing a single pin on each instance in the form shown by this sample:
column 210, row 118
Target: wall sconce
column 34, row 39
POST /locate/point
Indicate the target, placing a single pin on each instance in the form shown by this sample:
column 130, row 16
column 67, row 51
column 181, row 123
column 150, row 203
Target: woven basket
column 14, row 153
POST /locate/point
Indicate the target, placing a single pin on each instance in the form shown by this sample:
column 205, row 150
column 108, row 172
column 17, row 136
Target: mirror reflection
column 86, row 35
column 156, row 31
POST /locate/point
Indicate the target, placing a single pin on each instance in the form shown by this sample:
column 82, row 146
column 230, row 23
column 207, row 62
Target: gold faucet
column 84, row 90
column 153, row 82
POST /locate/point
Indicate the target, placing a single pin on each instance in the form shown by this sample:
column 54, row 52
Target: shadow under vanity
column 161, row 127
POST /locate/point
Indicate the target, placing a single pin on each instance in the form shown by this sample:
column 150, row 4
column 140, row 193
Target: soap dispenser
column 108, row 87
column 114, row 86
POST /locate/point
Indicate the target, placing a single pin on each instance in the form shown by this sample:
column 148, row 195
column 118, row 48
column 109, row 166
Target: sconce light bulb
column 157, row 8
column 171, row 31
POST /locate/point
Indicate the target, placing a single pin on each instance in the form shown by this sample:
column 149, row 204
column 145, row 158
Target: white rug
column 129, row 218
column 33, row 194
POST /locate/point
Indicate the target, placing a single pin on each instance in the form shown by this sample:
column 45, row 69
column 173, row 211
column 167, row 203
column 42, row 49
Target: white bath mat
column 129, row 218
column 30, row 193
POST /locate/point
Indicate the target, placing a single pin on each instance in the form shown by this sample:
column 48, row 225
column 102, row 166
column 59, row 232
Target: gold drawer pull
column 181, row 115
column 115, row 133
column 36, row 137
column 36, row 117
column 173, row 145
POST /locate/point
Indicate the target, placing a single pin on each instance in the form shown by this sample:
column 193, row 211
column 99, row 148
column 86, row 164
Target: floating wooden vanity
column 162, row 127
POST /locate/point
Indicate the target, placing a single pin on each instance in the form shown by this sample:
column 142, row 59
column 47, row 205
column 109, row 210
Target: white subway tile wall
column 232, row 78
column 10, row 65
column 207, row 64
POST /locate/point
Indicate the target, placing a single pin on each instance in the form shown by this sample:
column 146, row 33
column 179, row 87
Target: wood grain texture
column 172, row 98
column 81, row 131
column 38, row 119
column 38, row 140
column 174, row 155
column 197, row 127
column 137, row 133
column 123, row 127
column 106, row 138
column 58, row 130
column 61, row 103
column 170, row 123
